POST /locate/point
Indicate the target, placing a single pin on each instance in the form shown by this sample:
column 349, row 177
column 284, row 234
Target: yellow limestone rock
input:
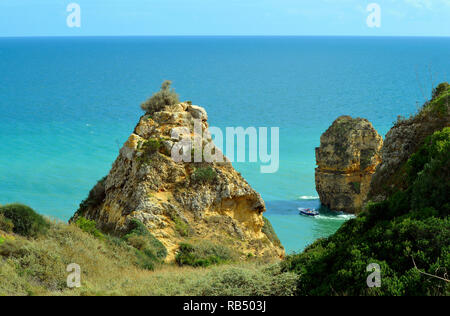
column 145, row 183
column 348, row 155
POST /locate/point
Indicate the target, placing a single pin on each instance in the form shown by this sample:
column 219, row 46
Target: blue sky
column 224, row 17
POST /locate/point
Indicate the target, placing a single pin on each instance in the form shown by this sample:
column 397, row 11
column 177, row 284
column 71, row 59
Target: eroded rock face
column 402, row 140
column 348, row 155
column 145, row 183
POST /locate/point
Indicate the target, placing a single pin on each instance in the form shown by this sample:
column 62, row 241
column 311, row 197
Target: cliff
column 179, row 201
column 348, row 155
column 404, row 138
column 406, row 235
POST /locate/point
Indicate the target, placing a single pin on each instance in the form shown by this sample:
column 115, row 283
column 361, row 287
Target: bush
column 164, row 97
column 204, row 175
column 25, row 220
column 183, row 228
column 95, row 197
column 151, row 146
column 410, row 224
column 149, row 250
column 439, row 90
column 6, row 224
column 204, row 254
column 89, row 226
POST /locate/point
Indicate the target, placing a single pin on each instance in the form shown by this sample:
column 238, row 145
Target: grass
column 37, row 266
column 204, row 254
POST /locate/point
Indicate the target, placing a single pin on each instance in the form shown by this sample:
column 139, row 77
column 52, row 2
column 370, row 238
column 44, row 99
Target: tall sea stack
column 348, row 155
column 180, row 201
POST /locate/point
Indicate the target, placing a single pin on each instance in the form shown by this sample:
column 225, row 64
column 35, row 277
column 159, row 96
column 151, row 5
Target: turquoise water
column 68, row 104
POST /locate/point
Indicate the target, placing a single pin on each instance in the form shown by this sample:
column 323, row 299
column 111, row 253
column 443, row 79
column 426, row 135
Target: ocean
column 68, row 104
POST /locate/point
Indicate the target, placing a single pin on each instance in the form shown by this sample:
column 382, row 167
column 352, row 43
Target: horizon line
column 112, row 36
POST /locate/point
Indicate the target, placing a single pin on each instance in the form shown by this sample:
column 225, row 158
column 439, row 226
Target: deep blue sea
column 68, row 104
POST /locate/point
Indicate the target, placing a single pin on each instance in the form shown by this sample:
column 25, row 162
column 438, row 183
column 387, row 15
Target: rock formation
column 179, row 201
column 404, row 139
column 348, row 155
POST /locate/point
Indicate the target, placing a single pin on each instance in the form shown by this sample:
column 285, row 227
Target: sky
column 224, row 17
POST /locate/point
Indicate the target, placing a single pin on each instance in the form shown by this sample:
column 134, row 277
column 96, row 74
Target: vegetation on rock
column 408, row 235
column 164, row 97
column 95, row 197
column 204, row 175
column 270, row 232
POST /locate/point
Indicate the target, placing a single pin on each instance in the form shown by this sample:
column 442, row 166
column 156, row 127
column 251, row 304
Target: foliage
column 242, row 281
column 89, row 227
column 149, row 148
column 270, row 232
column 110, row 266
column 25, row 220
column 204, row 254
column 440, row 90
column 95, row 197
column 164, row 97
column 204, row 175
column 410, row 224
column 6, row 224
column 183, row 228
column 439, row 104
column 149, row 250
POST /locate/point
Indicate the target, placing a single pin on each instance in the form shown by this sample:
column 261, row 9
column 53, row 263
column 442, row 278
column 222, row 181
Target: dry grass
column 38, row 267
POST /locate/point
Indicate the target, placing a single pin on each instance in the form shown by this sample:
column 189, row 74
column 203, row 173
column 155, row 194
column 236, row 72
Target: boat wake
column 338, row 217
column 308, row 197
column 334, row 216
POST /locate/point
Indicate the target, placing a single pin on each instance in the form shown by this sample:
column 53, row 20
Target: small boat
column 308, row 212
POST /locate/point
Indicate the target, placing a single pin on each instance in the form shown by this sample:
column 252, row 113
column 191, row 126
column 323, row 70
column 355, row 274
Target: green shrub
column 2, row 240
column 6, row 224
column 183, row 228
column 89, row 226
column 204, row 175
column 149, row 250
column 96, row 197
column 440, row 89
column 204, row 254
column 410, row 224
column 25, row 220
column 164, row 97
column 439, row 104
column 151, row 146
column 270, row 232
